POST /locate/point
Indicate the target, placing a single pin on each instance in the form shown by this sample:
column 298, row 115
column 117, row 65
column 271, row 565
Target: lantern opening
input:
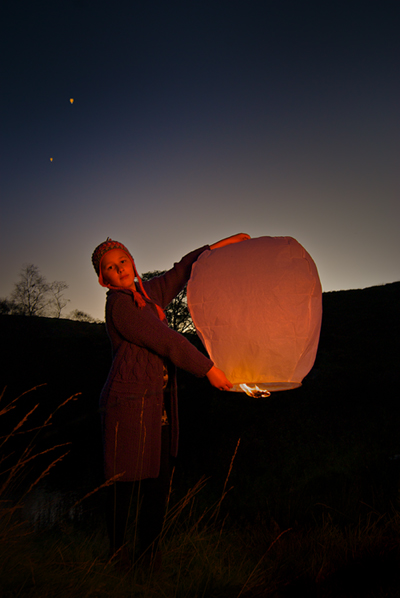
column 255, row 391
column 263, row 389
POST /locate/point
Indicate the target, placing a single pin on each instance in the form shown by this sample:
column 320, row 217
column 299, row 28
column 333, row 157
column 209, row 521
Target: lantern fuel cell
column 257, row 307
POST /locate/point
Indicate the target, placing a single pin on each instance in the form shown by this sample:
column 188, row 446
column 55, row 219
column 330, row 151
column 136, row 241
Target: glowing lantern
column 257, row 307
column 51, row 159
column 71, row 100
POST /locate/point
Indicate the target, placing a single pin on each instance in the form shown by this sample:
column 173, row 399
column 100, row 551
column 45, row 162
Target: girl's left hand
column 229, row 240
column 217, row 378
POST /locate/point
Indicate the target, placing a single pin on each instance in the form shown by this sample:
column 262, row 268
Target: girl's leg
column 154, row 497
column 118, row 501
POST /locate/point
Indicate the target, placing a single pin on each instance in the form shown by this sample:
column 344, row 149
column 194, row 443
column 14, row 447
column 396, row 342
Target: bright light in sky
column 169, row 127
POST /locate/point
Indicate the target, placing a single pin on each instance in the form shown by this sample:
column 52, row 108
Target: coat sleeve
column 144, row 328
column 162, row 289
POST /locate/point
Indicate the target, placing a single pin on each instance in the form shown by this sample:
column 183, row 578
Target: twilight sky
column 193, row 120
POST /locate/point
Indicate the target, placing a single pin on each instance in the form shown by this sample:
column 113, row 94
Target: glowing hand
column 217, row 378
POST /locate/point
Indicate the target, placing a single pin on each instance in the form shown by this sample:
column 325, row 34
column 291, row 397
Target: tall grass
column 206, row 554
column 16, row 463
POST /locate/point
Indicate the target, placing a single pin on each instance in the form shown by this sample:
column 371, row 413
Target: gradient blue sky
column 195, row 120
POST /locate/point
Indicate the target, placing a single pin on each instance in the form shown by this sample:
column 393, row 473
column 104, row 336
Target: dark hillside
column 37, row 350
column 361, row 333
column 67, row 357
column 341, row 427
column 339, row 430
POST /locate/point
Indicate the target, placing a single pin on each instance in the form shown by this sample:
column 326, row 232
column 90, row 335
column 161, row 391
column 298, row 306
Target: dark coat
column 132, row 399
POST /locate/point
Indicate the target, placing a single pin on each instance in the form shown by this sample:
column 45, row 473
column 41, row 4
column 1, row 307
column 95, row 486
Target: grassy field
column 306, row 532
column 296, row 495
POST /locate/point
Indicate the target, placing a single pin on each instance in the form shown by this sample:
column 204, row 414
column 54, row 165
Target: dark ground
column 347, row 411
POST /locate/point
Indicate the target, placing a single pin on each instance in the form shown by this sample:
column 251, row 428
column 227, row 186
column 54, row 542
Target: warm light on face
column 117, row 269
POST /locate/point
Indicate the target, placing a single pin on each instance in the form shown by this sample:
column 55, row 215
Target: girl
column 139, row 401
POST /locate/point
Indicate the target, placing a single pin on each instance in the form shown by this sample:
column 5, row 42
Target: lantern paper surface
column 257, row 307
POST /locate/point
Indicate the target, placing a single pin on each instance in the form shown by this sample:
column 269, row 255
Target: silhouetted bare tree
column 177, row 311
column 34, row 296
column 30, row 292
column 58, row 301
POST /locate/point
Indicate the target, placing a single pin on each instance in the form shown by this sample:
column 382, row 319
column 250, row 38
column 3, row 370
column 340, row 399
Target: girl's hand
column 229, row 240
column 217, row 378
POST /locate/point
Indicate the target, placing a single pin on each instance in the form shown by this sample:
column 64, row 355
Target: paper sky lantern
column 257, row 307
column 71, row 100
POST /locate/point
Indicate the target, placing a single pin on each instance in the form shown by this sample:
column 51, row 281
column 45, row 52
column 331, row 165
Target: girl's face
column 117, row 269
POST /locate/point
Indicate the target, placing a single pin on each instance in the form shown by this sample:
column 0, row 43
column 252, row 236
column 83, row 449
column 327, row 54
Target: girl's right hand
column 217, row 378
